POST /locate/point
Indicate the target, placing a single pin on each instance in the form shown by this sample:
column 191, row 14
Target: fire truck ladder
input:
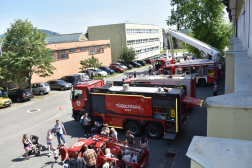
column 171, row 45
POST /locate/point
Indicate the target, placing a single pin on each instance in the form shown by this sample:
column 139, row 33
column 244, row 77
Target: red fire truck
column 204, row 69
column 188, row 80
column 159, row 110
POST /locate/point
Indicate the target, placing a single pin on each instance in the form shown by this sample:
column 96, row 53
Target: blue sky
column 73, row 16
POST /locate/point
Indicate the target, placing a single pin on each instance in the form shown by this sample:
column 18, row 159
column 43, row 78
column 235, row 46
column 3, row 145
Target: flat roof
column 161, row 77
column 124, row 23
column 143, row 89
column 212, row 152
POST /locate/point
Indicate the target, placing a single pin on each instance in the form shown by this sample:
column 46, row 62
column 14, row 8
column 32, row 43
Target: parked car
column 116, row 68
column 148, row 61
column 129, row 66
column 107, row 69
column 5, row 101
column 71, row 79
column 39, row 88
column 59, row 84
column 20, row 94
column 155, row 58
column 135, row 64
column 98, row 72
column 119, row 64
column 141, row 62
column 88, row 72
column 83, row 76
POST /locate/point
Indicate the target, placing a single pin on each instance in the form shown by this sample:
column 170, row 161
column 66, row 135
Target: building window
column 53, row 55
column 91, row 50
column 83, row 48
column 61, row 54
column 72, row 50
column 99, row 49
column 105, row 45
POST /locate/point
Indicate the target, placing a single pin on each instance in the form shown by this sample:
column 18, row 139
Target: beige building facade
column 147, row 40
column 229, row 116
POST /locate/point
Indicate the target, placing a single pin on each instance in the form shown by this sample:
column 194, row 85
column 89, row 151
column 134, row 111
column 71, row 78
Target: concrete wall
column 195, row 164
column 229, row 122
column 110, row 32
column 229, row 73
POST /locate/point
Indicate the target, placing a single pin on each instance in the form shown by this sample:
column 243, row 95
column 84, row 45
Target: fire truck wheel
column 134, row 128
column 153, row 131
column 202, row 82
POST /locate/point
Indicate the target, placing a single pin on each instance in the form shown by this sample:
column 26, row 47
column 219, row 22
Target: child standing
column 106, row 164
column 54, row 151
column 49, row 142
column 112, row 164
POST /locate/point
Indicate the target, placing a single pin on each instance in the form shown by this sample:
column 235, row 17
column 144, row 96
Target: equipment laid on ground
column 155, row 108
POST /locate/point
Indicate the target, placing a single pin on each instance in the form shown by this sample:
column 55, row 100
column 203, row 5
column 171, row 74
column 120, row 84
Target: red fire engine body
column 204, row 69
column 109, row 148
column 157, row 109
column 188, row 80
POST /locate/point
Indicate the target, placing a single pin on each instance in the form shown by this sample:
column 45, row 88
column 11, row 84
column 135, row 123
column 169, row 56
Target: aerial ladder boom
column 195, row 43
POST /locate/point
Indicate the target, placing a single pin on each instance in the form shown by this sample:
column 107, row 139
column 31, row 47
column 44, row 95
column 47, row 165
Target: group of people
column 89, row 157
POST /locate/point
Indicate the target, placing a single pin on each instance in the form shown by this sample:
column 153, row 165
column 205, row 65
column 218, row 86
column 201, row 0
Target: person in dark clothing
column 120, row 163
column 215, row 88
column 149, row 70
column 86, row 124
column 130, row 138
column 135, row 74
column 78, row 162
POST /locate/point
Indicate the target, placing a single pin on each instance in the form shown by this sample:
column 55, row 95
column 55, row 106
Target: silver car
column 59, row 84
column 40, row 88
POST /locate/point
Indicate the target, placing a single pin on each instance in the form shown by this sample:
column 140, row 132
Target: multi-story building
column 145, row 39
column 229, row 116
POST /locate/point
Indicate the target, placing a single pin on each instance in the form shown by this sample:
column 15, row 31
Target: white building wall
column 244, row 26
column 143, row 49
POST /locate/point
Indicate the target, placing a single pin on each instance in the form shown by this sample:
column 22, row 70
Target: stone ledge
column 237, row 100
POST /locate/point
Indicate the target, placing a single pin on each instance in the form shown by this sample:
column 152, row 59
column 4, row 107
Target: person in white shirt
column 144, row 144
column 55, row 154
column 127, row 158
column 106, row 164
column 49, row 138
column 113, row 133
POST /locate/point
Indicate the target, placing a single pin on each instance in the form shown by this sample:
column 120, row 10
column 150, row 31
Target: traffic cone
column 60, row 108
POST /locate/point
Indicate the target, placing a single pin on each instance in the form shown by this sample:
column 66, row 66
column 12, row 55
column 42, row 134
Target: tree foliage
column 86, row 34
column 90, row 63
column 206, row 20
column 127, row 54
column 26, row 52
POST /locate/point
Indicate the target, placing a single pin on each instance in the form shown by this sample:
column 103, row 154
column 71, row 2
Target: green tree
column 127, row 54
column 86, row 34
column 27, row 52
column 90, row 63
column 206, row 20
